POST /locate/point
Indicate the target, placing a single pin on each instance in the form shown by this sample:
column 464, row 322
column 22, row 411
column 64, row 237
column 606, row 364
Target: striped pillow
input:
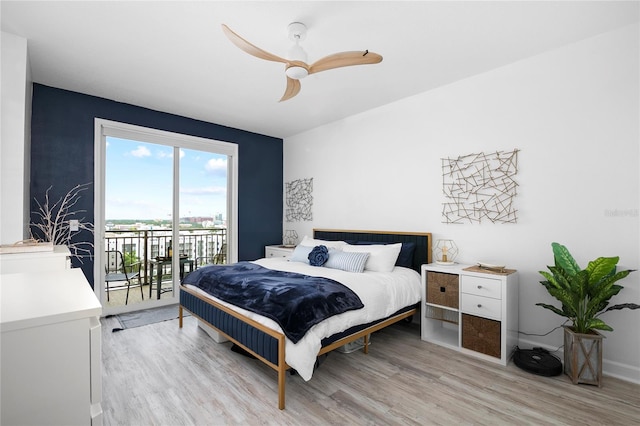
column 350, row 262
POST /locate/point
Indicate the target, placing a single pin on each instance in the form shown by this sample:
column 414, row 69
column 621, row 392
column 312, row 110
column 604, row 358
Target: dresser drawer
column 481, row 335
column 442, row 289
column 479, row 286
column 485, row 307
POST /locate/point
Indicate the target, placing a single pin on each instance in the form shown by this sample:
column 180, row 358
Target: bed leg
column 281, row 380
column 366, row 344
column 282, row 373
column 180, row 316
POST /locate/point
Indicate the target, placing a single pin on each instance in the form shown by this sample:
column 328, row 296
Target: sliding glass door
column 165, row 205
column 138, row 221
column 203, row 189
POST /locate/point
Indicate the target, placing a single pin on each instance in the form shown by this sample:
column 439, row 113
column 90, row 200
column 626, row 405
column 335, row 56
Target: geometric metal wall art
column 480, row 187
column 299, row 200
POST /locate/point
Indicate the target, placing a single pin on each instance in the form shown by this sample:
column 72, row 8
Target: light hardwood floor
column 162, row 375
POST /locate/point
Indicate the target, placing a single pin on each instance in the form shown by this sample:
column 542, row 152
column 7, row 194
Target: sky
column 139, row 179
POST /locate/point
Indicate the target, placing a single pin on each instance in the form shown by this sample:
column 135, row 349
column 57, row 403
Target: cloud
column 141, row 151
column 216, row 166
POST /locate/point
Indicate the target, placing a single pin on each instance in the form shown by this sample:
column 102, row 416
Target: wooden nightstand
column 278, row 251
column 470, row 310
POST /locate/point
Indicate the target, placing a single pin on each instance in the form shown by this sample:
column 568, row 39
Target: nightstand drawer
column 278, row 251
column 442, row 289
column 485, row 307
column 479, row 286
column 481, row 335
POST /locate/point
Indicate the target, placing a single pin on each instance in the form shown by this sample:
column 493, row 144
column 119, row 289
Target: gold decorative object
column 445, row 252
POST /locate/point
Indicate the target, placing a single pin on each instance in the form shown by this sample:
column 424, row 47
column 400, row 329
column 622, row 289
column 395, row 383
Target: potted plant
column 584, row 294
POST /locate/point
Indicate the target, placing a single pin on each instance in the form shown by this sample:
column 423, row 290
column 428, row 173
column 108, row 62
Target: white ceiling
column 172, row 56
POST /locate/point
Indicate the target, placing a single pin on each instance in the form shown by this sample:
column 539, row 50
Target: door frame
column 104, row 128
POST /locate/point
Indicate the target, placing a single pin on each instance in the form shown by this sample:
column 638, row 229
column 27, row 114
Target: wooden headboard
column 422, row 240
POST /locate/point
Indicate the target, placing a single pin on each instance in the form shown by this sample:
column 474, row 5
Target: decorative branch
column 55, row 226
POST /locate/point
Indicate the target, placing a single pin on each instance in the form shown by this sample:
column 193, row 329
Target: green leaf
column 564, row 259
column 554, row 309
column 622, row 306
column 595, row 324
column 601, row 267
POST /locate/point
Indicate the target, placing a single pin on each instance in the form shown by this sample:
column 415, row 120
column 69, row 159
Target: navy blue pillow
column 405, row 258
column 318, row 256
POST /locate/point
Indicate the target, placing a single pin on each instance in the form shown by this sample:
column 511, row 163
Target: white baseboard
column 628, row 373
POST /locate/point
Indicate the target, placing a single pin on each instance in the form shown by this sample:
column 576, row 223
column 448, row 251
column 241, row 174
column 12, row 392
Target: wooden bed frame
column 268, row 345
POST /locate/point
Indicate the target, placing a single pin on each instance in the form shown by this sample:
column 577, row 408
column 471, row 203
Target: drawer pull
column 479, row 305
column 479, row 287
column 443, row 289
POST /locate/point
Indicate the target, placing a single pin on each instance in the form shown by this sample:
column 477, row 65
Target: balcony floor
column 118, row 297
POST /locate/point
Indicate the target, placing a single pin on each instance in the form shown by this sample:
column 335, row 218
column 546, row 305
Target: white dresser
column 57, row 259
column 51, row 349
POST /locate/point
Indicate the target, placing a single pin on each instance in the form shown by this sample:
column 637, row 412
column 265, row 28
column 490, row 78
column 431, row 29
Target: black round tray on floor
column 537, row 361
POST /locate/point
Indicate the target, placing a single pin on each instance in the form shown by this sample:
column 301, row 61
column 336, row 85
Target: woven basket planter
column 583, row 357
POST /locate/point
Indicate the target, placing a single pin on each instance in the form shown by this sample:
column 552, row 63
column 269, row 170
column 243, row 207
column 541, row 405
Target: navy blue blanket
column 296, row 302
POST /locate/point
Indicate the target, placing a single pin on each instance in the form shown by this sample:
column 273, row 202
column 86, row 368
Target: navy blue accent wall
column 62, row 156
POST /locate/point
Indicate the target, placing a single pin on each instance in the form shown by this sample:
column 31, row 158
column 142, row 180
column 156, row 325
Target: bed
column 265, row 339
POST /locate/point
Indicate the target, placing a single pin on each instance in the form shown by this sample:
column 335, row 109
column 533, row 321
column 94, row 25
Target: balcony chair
column 117, row 271
column 219, row 258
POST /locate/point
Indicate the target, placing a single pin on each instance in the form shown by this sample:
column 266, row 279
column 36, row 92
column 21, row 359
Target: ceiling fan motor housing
column 296, row 72
column 297, row 31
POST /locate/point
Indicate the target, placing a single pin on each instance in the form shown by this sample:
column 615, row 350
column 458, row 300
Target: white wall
column 15, row 141
column 573, row 112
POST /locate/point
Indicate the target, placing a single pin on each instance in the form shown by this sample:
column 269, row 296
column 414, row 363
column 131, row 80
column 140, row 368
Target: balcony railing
column 202, row 245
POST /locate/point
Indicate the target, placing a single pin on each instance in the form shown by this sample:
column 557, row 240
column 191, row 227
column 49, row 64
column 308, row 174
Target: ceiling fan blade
column 344, row 59
column 250, row 48
column 293, row 88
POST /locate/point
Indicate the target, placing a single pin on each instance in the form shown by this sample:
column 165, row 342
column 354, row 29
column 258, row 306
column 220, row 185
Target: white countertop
column 40, row 298
column 59, row 250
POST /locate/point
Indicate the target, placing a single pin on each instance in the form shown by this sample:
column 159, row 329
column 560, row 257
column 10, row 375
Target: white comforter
column 381, row 293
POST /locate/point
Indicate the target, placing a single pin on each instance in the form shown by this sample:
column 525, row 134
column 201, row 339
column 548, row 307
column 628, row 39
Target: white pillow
column 301, row 254
column 350, row 262
column 311, row 242
column 382, row 257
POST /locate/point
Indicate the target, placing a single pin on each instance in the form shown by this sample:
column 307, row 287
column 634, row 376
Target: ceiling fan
column 296, row 66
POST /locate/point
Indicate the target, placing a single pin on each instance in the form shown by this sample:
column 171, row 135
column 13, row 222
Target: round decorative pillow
column 318, row 256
